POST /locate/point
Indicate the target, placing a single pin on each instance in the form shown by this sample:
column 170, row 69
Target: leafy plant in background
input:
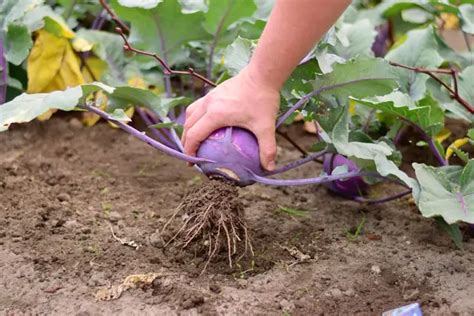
column 382, row 70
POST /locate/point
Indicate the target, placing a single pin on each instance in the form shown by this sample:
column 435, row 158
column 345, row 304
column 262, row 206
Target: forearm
column 292, row 30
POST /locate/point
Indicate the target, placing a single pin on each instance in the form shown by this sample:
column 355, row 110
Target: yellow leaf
column 81, row 45
column 56, row 26
column 130, row 111
column 458, row 143
column 137, row 82
column 52, row 64
column 93, row 69
column 352, row 107
column 451, row 21
column 90, row 119
column 443, row 135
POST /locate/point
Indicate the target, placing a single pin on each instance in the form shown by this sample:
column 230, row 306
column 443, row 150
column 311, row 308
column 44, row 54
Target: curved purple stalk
column 154, row 131
column 296, row 163
column 99, row 20
column 430, row 142
column 308, row 96
column 382, row 200
column 4, row 78
column 143, row 137
column 316, row 180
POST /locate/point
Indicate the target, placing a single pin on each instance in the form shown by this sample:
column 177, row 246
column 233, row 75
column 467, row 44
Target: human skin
column 251, row 99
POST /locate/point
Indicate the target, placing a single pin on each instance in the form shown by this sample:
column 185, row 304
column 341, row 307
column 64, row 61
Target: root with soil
column 211, row 218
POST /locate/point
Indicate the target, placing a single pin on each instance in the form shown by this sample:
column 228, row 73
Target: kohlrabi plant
column 382, row 72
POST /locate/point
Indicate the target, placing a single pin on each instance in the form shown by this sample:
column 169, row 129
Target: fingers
column 199, row 132
column 267, row 146
column 191, row 119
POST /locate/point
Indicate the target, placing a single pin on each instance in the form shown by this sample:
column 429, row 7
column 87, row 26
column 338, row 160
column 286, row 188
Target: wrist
column 262, row 77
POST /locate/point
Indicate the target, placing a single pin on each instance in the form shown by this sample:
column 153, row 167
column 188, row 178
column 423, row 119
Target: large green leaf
column 419, row 48
column 237, row 55
column 426, row 113
column 27, row 107
column 223, row 13
column 18, row 43
column 447, row 192
column 145, row 4
column 162, row 29
column 360, row 78
column 368, row 152
column 466, row 12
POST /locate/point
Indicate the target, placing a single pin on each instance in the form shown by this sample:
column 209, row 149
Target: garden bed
column 70, row 195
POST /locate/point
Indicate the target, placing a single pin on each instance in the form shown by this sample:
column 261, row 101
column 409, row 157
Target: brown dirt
column 63, row 187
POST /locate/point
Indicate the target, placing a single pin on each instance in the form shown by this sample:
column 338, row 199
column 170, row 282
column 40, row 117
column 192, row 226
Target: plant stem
column 143, row 137
column 427, row 138
column 4, row 77
column 297, row 163
column 216, row 39
column 431, row 72
column 154, row 131
column 382, row 200
column 466, row 40
column 316, row 180
column 313, row 93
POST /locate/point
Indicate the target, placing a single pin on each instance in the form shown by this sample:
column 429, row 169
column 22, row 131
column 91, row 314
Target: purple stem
column 143, row 137
column 316, row 180
column 297, row 163
column 382, row 200
column 99, row 20
column 4, row 78
column 308, row 96
column 430, row 142
column 154, row 131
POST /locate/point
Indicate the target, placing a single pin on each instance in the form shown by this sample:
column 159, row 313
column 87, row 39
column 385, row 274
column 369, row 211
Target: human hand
column 243, row 101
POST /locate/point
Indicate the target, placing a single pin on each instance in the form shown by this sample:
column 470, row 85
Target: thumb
column 267, row 146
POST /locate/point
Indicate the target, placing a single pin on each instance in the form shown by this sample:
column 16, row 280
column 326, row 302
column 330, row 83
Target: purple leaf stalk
column 4, row 72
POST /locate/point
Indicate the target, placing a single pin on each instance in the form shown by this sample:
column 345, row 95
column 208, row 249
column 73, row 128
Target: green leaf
column 223, row 13
column 237, row 55
column 27, row 107
column 18, row 43
column 359, row 37
column 447, row 192
column 376, row 152
column 418, row 48
column 360, row 78
column 425, row 113
column 453, row 231
column 145, row 4
column 466, row 12
column 292, row 211
column 120, row 115
column 470, row 133
column 163, row 29
column 108, row 47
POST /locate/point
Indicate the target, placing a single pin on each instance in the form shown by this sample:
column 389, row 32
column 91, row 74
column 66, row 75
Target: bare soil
column 83, row 209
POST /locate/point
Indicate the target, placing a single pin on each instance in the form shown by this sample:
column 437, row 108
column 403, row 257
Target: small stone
column 286, row 305
column 215, row 288
column 349, row 292
column 242, row 283
column 376, row 269
column 63, row 196
column 71, row 224
column 114, row 216
column 156, row 240
column 75, row 123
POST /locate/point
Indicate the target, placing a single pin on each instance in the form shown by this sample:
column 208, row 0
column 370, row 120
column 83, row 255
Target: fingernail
column 271, row 166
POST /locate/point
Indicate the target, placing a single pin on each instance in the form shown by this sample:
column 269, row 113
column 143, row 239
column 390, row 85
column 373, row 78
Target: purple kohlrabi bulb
column 349, row 188
column 235, row 154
